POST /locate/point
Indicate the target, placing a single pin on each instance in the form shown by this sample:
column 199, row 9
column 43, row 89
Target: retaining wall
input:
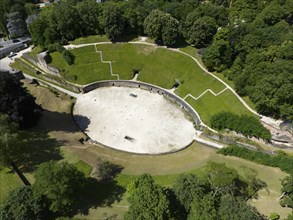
column 145, row 86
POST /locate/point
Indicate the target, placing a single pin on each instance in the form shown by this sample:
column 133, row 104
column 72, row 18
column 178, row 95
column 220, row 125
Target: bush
column 106, row 170
column 68, row 56
column 246, row 125
column 281, row 160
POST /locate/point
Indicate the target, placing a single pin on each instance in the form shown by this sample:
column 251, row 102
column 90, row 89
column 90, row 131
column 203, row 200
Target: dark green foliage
column 162, row 27
column 204, row 208
column 232, row 208
column 68, row 56
column 147, row 200
column 113, row 21
column 62, row 184
column 287, row 190
column 22, row 204
column 246, row 125
column 106, row 170
column 212, row 195
column 202, row 31
column 252, row 51
column 223, row 180
column 12, row 149
column 283, row 161
column 17, row 103
column 187, row 187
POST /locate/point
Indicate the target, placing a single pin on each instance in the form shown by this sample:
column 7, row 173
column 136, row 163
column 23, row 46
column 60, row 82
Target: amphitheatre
column 143, row 98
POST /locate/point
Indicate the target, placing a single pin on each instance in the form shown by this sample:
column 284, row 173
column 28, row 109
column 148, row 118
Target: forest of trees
column 248, row 41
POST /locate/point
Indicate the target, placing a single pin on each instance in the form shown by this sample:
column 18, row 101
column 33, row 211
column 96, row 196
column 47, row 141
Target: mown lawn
column 90, row 39
column 87, row 66
column 209, row 105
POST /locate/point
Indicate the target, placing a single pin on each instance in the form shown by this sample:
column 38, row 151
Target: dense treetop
column 16, row 102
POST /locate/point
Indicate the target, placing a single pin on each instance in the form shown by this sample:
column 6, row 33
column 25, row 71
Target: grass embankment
column 90, row 39
column 58, row 124
column 87, row 65
column 209, row 105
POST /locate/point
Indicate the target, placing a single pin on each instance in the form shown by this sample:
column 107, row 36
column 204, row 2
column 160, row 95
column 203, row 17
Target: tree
column 106, row 170
column 287, row 191
column 61, row 183
column 187, row 187
column 147, row 200
column 202, row 31
column 234, row 209
column 67, row 20
column 162, row 27
column 204, row 208
column 21, row 204
column 113, row 21
column 16, row 102
column 223, row 180
column 12, row 148
column 89, row 12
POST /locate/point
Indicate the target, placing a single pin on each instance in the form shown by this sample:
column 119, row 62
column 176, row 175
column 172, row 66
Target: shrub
column 281, row 160
column 246, row 125
column 68, row 56
column 106, row 170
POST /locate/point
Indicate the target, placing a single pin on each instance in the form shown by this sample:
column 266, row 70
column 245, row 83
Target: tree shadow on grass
column 41, row 146
column 99, row 194
column 56, row 121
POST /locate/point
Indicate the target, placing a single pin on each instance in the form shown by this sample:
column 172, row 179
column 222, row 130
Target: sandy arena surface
column 133, row 120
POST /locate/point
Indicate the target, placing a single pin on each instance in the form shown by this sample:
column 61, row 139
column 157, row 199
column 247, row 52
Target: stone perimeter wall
column 145, row 86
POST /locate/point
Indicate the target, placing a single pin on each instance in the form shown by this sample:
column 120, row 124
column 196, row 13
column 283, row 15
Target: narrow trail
column 208, row 90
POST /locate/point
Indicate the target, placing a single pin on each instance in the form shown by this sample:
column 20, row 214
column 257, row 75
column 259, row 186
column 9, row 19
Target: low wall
column 145, row 86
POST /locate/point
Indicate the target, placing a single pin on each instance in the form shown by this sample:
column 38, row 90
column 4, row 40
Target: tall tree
column 187, row 187
column 202, row 31
column 12, row 147
column 161, row 27
column 16, row 102
column 287, row 191
column 21, row 204
column 113, row 21
column 61, row 183
column 147, row 200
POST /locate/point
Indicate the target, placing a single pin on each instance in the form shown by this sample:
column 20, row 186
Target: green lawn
column 90, row 39
column 35, row 51
column 87, row 66
column 8, row 182
column 208, row 105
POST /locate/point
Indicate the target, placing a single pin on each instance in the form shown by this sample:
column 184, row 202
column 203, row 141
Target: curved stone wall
column 145, row 86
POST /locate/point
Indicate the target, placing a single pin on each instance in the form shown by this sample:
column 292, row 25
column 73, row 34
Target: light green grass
column 87, row 66
column 159, row 66
column 209, row 105
column 35, row 51
column 90, row 39
column 8, row 182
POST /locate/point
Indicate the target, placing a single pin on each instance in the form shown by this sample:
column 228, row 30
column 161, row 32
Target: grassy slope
column 87, row 65
column 90, row 39
column 208, row 105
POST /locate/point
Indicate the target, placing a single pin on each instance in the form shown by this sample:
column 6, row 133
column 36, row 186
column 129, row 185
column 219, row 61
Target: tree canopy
column 61, row 183
column 16, row 102
column 22, row 204
column 147, row 200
